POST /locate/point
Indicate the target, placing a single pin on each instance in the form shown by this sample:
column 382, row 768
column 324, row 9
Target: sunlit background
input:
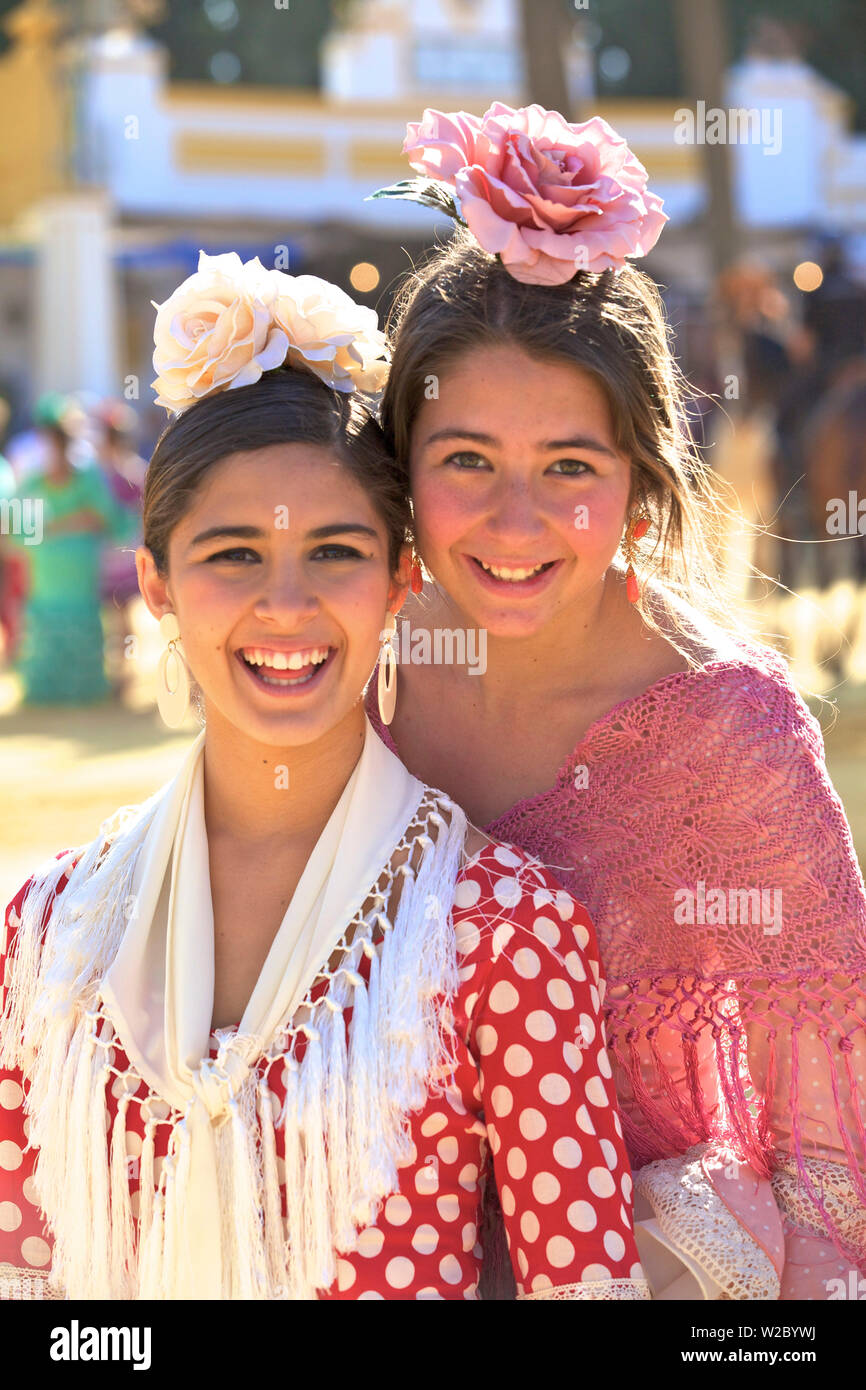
column 136, row 134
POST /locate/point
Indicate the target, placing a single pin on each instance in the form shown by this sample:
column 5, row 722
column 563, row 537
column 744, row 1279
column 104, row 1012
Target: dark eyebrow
column 255, row 533
column 213, row 533
column 579, row 441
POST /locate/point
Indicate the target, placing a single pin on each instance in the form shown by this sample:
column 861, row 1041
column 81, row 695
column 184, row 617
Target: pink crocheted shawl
column 698, row 824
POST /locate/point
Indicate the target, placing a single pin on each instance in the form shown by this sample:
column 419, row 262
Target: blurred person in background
column 124, row 470
column 12, row 565
column 61, row 655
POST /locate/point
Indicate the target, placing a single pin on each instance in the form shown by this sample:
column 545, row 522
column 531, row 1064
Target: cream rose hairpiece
column 547, row 197
column 231, row 321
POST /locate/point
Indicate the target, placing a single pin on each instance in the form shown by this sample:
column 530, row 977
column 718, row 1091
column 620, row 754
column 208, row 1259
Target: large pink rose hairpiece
column 547, row 197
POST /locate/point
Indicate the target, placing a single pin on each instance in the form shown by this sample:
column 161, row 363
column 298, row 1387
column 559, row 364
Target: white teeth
column 515, row 575
column 284, row 661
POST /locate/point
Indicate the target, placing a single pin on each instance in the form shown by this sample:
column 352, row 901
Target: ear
column 153, row 585
column 399, row 586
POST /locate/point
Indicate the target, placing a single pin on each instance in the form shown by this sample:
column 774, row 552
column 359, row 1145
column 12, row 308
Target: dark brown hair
column 611, row 325
column 287, row 406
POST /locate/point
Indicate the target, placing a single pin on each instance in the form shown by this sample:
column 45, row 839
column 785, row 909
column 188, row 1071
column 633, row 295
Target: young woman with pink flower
column 625, row 731
column 265, row 1036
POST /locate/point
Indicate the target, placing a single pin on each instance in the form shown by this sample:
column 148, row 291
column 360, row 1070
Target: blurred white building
column 94, row 226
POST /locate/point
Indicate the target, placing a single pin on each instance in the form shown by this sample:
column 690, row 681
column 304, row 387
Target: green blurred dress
column 61, row 658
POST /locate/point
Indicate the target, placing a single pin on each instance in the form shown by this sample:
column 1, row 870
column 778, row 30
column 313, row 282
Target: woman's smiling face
column 519, row 490
column 279, row 577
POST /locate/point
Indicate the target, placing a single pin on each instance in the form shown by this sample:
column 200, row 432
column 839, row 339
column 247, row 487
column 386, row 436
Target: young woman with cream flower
column 271, row 1029
column 657, row 761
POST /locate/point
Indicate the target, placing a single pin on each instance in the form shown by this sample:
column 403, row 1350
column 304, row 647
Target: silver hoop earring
column 387, row 683
column 172, row 677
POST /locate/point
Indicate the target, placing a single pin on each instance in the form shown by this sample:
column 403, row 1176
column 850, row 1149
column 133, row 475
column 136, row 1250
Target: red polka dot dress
column 530, row 1100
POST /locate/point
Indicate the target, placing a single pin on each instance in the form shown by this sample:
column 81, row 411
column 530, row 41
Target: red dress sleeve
column 532, row 998
column 25, row 1244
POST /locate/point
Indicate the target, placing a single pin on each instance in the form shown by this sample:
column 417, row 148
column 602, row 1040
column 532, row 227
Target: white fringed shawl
column 127, row 957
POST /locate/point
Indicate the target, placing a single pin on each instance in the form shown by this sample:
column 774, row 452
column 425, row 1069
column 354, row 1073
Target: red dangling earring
column 635, row 531
column 416, row 581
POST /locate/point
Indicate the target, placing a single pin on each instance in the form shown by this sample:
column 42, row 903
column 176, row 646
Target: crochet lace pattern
column 732, row 1015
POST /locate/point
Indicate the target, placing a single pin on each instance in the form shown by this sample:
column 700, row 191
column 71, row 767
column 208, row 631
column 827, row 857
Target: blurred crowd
column 70, row 490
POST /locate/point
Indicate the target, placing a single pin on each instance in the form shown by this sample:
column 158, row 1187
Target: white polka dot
column 540, row 1025
column 567, row 1152
column 467, row 936
column 506, row 1197
column 560, row 995
column 466, row 892
column 448, row 1149
column 448, row 1206
column 583, row 1120
column 501, row 1100
column 369, row 1294
column 487, row 1039
column 10, row 1216
column 399, row 1272
column 507, row 892
column 11, row 1094
column 574, row 966
column 502, row 935
column 545, row 1188
column 28, row 1187
column 427, row 1180
column 581, row 935
column 468, row 1236
column 625, row 1219
column 10, row 1156
column 133, row 1144
column 463, row 974
column 594, row 1272
column 518, row 1060
column 433, row 1124
column 560, row 1252
column 586, row 1030
column 155, row 1109
column 495, row 1141
column 565, row 905
column 554, row 1089
column 526, row 963
column 346, row 1275
column 581, row 1216
column 428, row 1295
column 540, row 1282
column 547, row 931
column 530, row 1227
column 595, row 998
column 522, row 1263
column 449, row 1269
column 595, row 1092
column 532, row 1123
column 614, row 1245
column 503, row 997
column 425, row 1239
column 611, row 1157
column 397, row 1210
column 601, row 1184
column 616, row 1124
column 36, row 1251
column 370, row 1242
column 468, row 1177
column 515, row 1162
column 626, row 1185
column 604, row 1064
column 503, row 855
column 572, row 1056
column 636, row 1271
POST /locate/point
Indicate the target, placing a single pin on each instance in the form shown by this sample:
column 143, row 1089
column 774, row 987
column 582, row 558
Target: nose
column 287, row 598
column 515, row 519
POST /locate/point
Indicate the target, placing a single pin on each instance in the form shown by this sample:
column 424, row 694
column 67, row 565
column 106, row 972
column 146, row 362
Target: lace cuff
column 594, row 1289
column 26, row 1284
column 835, row 1188
column 690, row 1243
